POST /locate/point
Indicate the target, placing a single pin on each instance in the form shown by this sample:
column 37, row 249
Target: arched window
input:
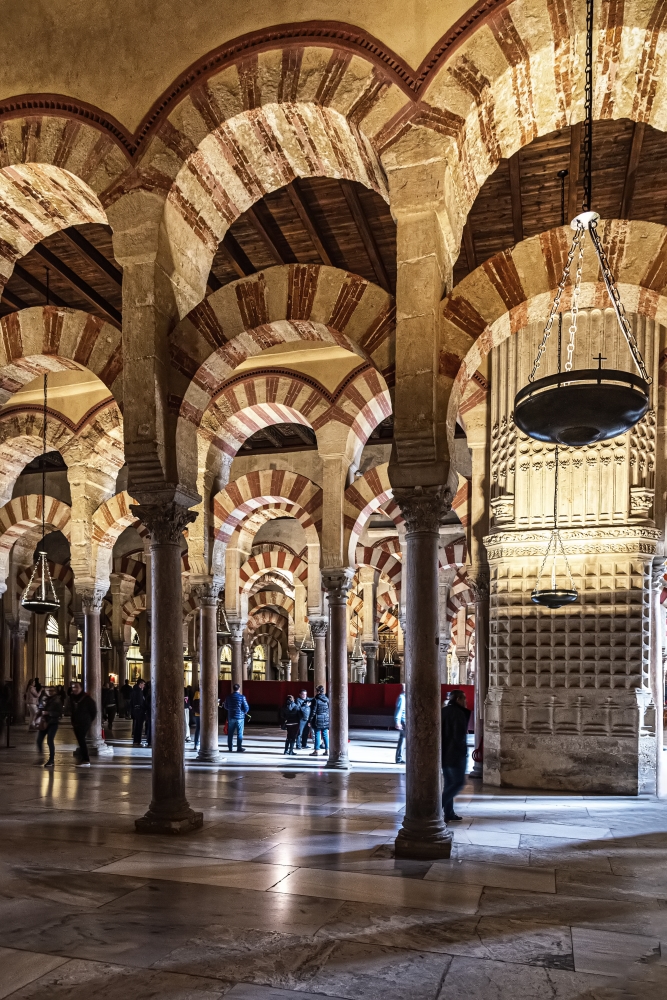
column 134, row 659
column 55, row 656
column 226, row 663
column 259, row 663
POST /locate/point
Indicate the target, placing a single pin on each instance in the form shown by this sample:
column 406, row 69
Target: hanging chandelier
column 552, row 595
column 579, row 407
column 308, row 644
column 223, row 630
column 105, row 638
column 40, row 596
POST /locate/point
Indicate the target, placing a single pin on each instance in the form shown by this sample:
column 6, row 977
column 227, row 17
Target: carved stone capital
column 658, row 572
column 165, row 520
column 207, row 594
column 337, row 582
column 479, row 585
column 237, row 629
column 18, row 626
column 318, row 627
column 371, row 649
column 91, row 600
column 423, row 507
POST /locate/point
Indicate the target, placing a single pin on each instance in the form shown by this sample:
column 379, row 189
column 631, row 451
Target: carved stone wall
column 569, row 703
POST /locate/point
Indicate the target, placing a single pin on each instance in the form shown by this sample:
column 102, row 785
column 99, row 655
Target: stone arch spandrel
column 362, row 498
column 516, row 288
column 20, row 515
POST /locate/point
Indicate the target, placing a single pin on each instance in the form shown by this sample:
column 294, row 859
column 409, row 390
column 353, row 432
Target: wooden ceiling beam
column 515, row 195
column 212, row 283
column 35, row 283
column 576, row 137
column 361, row 222
column 264, row 234
column 631, row 170
column 78, row 283
column 308, row 222
column 274, row 436
column 92, row 254
column 237, row 256
column 302, row 433
column 14, row 300
column 469, row 246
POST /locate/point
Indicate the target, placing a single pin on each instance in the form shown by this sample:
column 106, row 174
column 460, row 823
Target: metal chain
column 615, row 298
column 576, row 244
column 44, row 460
column 588, row 109
column 575, row 305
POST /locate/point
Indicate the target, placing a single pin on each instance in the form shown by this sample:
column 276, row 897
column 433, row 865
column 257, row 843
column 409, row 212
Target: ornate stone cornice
column 423, row 507
column 337, row 582
column 577, row 541
column 166, row 520
column 318, row 627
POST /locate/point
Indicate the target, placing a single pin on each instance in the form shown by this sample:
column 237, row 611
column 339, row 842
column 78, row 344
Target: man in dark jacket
column 109, row 703
column 237, row 708
column 84, row 712
column 125, row 694
column 455, row 717
column 138, row 711
column 319, row 721
column 303, row 704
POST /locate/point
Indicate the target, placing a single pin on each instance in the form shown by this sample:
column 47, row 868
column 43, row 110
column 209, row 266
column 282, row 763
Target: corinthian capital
column 207, row 594
column 337, row 581
column 165, row 520
column 318, row 627
column 479, row 585
column 237, row 629
column 423, row 507
column 91, row 599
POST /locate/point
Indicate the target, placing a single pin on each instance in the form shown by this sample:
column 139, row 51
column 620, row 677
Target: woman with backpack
column 50, row 713
column 319, row 721
column 290, row 716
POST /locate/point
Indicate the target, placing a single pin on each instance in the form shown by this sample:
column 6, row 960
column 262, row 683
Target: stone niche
column 569, row 705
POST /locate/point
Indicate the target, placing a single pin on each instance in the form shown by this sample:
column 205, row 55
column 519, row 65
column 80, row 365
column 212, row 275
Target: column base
column 209, row 756
column 157, row 823
column 423, row 845
column 341, row 762
column 100, row 749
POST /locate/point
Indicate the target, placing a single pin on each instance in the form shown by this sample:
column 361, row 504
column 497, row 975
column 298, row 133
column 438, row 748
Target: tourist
column 399, row 723
column 49, row 720
column 186, row 707
column 290, row 717
column 124, row 701
column 32, row 701
column 110, row 703
column 303, row 704
column 84, row 713
column 148, row 715
column 237, row 708
column 196, row 708
column 455, row 716
column 319, row 721
column 138, row 711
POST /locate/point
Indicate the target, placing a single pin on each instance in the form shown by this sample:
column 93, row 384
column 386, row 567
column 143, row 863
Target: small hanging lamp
column 578, row 407
column 308, row 644
column 553, row 596
column 40, row 596
column 105, row 638
column 223, row 630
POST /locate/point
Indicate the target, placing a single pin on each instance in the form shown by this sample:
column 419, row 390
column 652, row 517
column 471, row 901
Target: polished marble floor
column 291, row 889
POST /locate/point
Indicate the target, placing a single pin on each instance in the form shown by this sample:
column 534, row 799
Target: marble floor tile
column 563, row 831
column 18, row 968
column 482, row 838
column 251, row 991
column 604, row 886
column 500, row 876
column 479, row 979
column 491, row 855
column 379, row 889
column 373, row 972
column 72, row 888
column 607, row 953
column 208, row 871
column 80, row 980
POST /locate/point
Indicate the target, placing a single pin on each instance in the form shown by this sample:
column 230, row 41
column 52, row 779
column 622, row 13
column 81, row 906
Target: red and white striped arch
column 21, row 515
column 271, row 599
column 278, row 561
column 268, row 488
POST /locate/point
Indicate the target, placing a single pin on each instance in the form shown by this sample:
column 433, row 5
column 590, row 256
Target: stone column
column 18, row 629
column 237, row 629
column 337, row 584
column 91, row 604
column 371, row 651
column 303, row 665
column 121, row 660
column 207, row 595
column 169, row 811
column 286, row 665
column 193, row 650
column 67, row 663
column 656, row 672
column 319, row 629
column 424, row 833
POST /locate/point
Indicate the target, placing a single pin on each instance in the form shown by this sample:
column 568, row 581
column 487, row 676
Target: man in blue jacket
column 237, row 708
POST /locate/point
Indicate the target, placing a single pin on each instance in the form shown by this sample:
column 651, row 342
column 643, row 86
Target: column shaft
column 208, row 749
column 303, row 665
column 337, row 584
column 237, row 652
column 67, row 664
column 17, row 658
column 169, row 811
column 423, row 834
column 91, row 603
column 319, row 631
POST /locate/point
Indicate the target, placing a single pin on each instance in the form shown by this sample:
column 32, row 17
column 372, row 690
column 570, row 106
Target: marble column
column 337, row 583
column 67, row 663
column 237, row 629
column 656, row 673
column 169, row 811
column 286, row 665
column 423, row 833
column 121, row 660
column 18, row 629
column 303, row 665
column 371, row 651
column 91, row 604
column 207, row 595
column 319, row 629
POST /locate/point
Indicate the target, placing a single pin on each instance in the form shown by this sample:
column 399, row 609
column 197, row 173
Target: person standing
column 319, row 721
column 237, row 708
column 84, row 712
column 290, row 716
column 186, row 709
column 399, row 723
column 303, row 704
column 32, row 701
column 51, row 713
column 196, row 708
column 455, row 716
column 126, row 694
column 138, row 711
column 110, row 703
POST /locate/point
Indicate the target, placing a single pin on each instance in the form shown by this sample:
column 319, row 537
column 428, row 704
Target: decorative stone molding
column 503, row 508
column 237, row 629
column 337, row 582
column 658, row 573
column 423, row 507
column 577, row 541
column 641, row 501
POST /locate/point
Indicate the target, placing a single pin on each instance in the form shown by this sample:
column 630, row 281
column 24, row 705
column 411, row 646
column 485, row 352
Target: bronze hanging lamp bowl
column 555, row 598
